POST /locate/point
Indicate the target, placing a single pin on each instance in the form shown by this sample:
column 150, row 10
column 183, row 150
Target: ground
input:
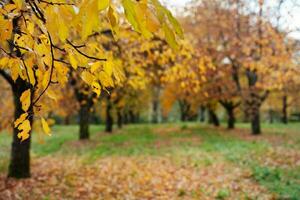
column 169, row 161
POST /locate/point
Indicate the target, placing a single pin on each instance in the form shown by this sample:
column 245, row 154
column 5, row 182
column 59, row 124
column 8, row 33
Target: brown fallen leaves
column 130, row 178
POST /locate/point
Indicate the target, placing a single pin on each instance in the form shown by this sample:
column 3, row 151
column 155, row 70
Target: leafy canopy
column 42, row 40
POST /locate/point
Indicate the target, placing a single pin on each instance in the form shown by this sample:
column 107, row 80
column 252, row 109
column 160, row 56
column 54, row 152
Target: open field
column 182, row 161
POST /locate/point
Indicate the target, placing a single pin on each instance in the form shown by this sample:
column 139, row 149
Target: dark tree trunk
column 183, row 116
column 86, row 102
column 109, row 118
column 119, row 119
column 230, row 107
column 132, row 117
column 19, row 166
column 126, row 120
column 246, row 118
column 184, row 110
column 67, row 120
column 155, row 111
column 213, row 118
column 231, row 118
column 202, row 114
column 255, row 123
column 84, row 122
column 254, row 102
column 284, row 110
column 156, row 105
column 271, row 116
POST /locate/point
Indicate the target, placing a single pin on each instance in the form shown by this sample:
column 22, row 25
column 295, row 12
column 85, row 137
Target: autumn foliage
column 131, row 62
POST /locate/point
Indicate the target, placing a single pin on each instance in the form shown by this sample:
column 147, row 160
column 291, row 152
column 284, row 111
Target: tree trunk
column 213, row 118
column 271, row 116
column 202, row 114
column 120, row 119
column 67, row 120
column 255, row 123
column 19, row 166
column 231, row 117
column 132, row 117
column 230, row 107
column 84, row 122
column 156, row 105
column 284, row 110
column 155, row 112
column 184, row 110
column 126, row 120
column 109, row 118
column 183, row 117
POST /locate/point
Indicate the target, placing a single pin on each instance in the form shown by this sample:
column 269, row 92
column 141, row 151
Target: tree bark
column 202, row 114
column 19, row 166
column 84, row 122
column 119, row 119
column 184, row 110
column 126, row 120
column 231, row 118
column 109, row 118
column 156, row 105
column 155, row 112
column 255, row 123
column 271, row 116
column 213, row 118
column 284, row 109
column 230, row 107
column 132, row 117
column 254, row 102
column 67, row 120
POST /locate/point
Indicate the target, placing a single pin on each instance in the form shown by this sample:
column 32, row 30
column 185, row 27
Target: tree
column 243, row 44
column 35, row 38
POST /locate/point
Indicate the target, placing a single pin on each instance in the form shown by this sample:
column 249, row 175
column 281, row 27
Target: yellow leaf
column 25, row 99
column 51, row 94
column 19, row 3
column 96, row 88
column 151, row 22
column 103, row 4
column 20, row 119
column 90, row 20
column 106, row 81
column 4, row 62
column 46, row 79
column 174, row 23
column 95, row 66
column 63, row 31
column 108, row 67
column 170, row 36
column 113, row 19
column 73, row 61
column 5, row 29
column 87, row 77
column 14, row 69
column 24, row 128
column 30, row 27
column 31, row 76
column 45, row 127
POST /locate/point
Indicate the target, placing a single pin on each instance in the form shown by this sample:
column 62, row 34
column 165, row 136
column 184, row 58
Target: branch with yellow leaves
column 51, row 70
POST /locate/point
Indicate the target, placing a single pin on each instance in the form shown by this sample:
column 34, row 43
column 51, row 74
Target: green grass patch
column 285, row 183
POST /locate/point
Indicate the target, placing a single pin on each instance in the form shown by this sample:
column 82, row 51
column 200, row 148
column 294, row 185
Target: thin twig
column 57, row 3
column 90, row 57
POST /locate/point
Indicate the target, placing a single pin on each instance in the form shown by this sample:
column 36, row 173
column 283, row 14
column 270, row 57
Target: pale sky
column 290, row 12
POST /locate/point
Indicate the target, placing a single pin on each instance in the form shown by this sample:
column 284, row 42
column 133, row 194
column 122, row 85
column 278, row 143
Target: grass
column 285, row 183
column 203, row 146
